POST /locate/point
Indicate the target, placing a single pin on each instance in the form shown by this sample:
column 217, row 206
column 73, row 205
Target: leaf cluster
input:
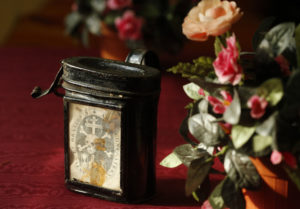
column 199, row 68
column 277, row 129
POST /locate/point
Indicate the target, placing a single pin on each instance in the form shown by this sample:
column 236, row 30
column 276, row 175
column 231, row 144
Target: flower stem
column 247, row 53
column 222, row 152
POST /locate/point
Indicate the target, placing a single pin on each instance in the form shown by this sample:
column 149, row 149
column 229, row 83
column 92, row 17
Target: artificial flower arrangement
column 245, row 104
column 151, row 24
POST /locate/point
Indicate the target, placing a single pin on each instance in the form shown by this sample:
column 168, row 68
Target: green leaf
column 202, row 192
column 204, row 128
column 171, row 161
column 93, row 24
column 232, row 195
column 278, row 39
column 241, row 134
column 271, row 90
column 203, row 106
column 192, row 90
column 208, row 86
column 219, row 44
column 186, row 153
column 197, row 173
column 240, row 170
column 261, row 31
column 215, row 198
column 72, row 22
column 297, row 39
column 267, row 127
column 98, row 5
column 184, row 131
column 261, row 142
column 294, row 175
column 209, row 149
column 233, row 111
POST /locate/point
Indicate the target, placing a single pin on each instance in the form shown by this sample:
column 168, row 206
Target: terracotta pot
column 110, row 46
column 277, row 190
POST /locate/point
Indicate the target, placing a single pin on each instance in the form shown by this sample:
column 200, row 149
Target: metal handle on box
column 143, row 57
column 37, row 92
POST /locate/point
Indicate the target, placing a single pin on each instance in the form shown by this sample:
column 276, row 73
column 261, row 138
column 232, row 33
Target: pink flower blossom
column 201, row 92
column 276, row 157
column 290, row 159
column 118, row 4
column 219, row 106
column 129, row 26
column 258, row 106
column 206, row 205
column 226, row 66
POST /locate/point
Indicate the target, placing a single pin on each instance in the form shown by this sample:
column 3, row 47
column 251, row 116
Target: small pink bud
column 206, row 205
column 201, row 92
column 276, row 157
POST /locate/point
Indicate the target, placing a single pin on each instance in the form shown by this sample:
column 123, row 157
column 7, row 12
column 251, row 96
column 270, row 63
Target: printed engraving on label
column 94, row 142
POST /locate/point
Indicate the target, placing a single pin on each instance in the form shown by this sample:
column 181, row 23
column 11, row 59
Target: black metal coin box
column 110, row 112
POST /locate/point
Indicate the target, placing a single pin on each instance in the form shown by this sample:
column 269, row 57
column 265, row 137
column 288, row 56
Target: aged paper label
column 94, row 143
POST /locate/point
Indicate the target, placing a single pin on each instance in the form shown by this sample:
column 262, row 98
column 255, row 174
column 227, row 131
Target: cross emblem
column 91, row 123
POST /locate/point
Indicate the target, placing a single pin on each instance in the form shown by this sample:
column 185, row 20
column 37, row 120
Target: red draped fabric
column 31, row 140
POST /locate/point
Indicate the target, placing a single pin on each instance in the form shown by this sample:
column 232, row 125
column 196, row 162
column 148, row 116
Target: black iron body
column 131, row 89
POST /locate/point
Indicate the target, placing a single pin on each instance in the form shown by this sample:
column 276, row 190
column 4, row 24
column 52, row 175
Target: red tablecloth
column 31, row 134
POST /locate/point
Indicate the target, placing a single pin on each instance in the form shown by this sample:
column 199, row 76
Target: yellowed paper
column 94, row 143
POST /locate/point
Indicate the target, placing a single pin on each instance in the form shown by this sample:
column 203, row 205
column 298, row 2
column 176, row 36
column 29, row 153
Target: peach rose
column 210, row 18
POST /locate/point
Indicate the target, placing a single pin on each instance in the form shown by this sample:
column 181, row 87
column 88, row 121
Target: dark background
column 40, row 23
